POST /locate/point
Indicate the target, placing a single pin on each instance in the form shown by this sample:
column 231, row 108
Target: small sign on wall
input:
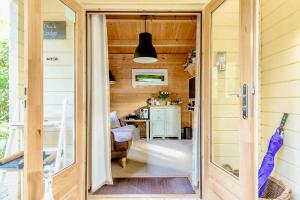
column 54, row 30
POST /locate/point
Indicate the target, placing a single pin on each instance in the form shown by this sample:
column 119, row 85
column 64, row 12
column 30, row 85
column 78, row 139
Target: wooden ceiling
column 170, row 34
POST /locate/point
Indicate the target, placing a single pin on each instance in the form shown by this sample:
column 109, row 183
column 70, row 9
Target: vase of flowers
column 162, row 97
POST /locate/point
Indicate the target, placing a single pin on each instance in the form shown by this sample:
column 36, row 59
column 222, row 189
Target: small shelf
column 191, row 68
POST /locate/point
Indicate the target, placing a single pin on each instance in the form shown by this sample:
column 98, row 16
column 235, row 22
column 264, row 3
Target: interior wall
column 225, row 92
column 126, row 99
column 280, row 85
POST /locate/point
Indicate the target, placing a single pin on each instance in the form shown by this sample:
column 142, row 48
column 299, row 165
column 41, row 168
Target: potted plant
column 162, row 97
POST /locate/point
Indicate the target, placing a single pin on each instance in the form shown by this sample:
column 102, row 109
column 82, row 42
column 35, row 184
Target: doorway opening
column 151, row 119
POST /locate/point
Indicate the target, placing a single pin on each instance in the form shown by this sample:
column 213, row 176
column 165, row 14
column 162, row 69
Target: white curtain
column 196, row 168
column 99, row 99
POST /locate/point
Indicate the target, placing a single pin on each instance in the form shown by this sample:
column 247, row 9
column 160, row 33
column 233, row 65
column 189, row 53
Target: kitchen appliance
column 144, row 113
column 132, row 116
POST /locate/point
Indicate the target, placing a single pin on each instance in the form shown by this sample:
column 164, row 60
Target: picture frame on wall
column 145, row 77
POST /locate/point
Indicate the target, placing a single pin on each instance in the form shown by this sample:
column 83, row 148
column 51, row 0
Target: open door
column 54, row 114
column 228, row 100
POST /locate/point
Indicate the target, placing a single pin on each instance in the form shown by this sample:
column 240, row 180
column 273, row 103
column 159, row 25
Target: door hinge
column 25, row 97
column 25, row 91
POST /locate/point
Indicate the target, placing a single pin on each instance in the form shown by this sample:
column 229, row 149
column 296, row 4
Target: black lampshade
column 145, row 51
column 112, row 79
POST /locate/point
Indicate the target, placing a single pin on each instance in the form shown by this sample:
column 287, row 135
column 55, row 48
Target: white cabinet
column 165, row 121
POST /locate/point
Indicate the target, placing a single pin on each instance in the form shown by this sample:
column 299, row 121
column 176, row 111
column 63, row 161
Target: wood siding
column 126, row 99
column 280, row 85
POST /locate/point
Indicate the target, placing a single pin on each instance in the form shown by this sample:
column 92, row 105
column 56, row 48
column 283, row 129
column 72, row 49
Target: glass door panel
column 59, row 84
column 225, row 87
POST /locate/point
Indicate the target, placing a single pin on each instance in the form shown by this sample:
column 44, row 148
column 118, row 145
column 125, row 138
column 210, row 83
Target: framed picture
column 149, row 77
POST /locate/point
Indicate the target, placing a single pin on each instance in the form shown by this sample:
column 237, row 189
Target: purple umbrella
column 267, row 164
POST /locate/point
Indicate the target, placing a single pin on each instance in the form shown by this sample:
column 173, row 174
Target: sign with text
column 54, row 30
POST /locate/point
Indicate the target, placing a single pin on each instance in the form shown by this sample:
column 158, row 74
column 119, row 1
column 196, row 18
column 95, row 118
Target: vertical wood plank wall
column 280, row 84
column 126, row 99
column 225, row 84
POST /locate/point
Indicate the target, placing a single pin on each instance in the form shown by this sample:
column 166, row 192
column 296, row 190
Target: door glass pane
column 59, row 84
column 225, row 89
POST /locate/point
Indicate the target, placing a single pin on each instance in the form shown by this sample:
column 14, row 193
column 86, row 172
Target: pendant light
column 145, row 51
column 112, row 79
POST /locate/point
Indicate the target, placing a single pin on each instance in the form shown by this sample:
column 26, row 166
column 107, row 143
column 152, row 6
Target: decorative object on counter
column 149, row 77
column 151, row 101
column 221, row 60
column 163, row 95
column 112, row 79
column 178, row 101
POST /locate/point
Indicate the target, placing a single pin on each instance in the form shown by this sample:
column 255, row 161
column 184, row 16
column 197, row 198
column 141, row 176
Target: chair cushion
column 124, row 133
column 114, row 121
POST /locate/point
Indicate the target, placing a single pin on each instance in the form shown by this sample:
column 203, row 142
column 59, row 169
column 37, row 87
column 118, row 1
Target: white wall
column 280, row 84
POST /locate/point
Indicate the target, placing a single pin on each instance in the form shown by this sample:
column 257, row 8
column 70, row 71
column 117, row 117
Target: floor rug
column 176, row 185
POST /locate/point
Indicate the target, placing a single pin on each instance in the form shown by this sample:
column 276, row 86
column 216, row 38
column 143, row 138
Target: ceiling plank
column 156, row 43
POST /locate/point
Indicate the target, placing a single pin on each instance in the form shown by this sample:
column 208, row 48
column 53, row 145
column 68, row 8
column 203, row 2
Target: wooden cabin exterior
column 260, row 40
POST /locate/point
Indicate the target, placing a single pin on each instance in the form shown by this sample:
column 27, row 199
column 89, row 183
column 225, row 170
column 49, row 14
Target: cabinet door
column 173, row 122
column 157, row 114
column 157, row 128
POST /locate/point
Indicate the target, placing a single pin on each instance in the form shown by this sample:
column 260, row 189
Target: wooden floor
column 178, row 185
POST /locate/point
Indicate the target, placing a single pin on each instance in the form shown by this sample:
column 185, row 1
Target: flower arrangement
column 163, row 95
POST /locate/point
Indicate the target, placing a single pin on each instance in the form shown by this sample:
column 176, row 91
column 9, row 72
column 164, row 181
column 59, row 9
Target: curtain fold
column 196, row 165
column 99, row 95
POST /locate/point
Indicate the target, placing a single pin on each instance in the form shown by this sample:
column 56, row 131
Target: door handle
column 245, row 101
